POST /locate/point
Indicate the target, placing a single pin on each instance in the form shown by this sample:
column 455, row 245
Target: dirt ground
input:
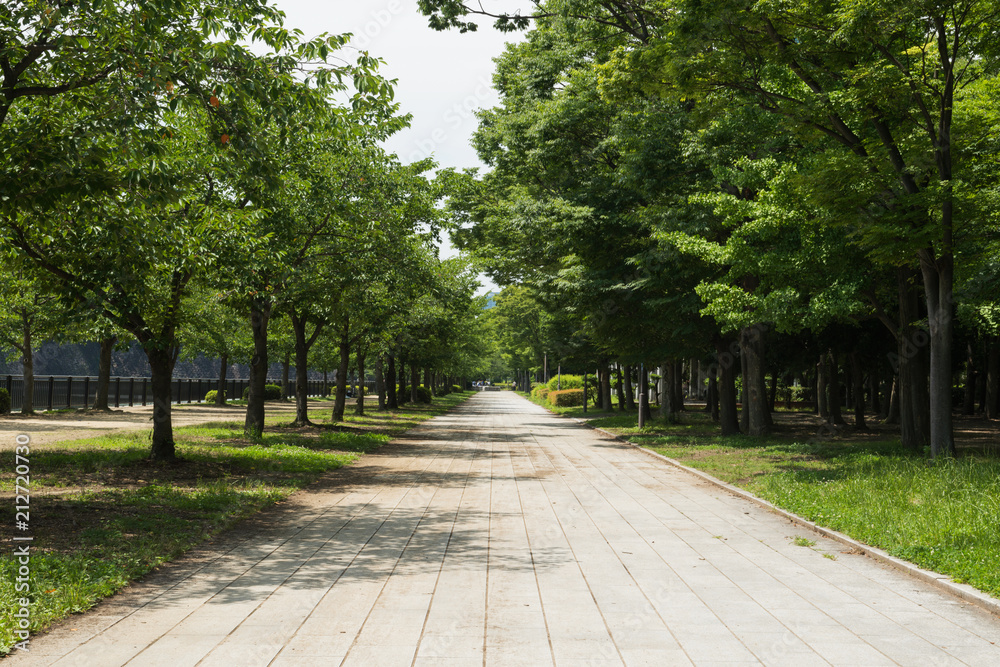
column 45, row 428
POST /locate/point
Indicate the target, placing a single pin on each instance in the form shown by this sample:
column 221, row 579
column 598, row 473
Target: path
column 499, row 534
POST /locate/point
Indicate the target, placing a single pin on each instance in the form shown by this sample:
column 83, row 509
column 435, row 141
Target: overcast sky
column 442, row 76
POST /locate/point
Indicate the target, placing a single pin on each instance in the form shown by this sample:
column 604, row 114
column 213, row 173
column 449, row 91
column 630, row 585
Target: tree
column 29, row 315
column 213, row 328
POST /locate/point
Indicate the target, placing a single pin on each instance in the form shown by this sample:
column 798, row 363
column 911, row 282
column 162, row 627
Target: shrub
column 4, row 402
column 566, row 398
column 565, row 382
column 423, row 396
column 455, row 389
column 540, row 393
column 272, row 392
column 210, row 396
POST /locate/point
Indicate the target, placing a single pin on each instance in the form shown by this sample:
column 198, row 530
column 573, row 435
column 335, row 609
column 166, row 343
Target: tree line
column 802, row 191
column 197, row 178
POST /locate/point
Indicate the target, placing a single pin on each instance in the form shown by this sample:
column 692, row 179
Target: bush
column 423, row 395
column 4, row 402
column 272, row 392
column 567, row 398
column 540, row 393
column 455, row 389
column 210, row 396
column 565, row 382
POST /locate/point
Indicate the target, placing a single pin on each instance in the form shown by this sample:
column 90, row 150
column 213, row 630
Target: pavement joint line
column 569, row 546
column 940, row 581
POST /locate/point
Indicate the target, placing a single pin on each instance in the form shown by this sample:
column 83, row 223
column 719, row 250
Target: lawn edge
column 940, row 581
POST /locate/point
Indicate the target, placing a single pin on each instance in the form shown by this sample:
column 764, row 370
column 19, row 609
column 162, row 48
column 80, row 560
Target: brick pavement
column 500, row 534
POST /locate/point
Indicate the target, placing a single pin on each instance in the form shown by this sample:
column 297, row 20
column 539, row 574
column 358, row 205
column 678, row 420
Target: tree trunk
column 360, row 406
column 302, row 346
column 823, row 408
column 971, row 376
column 28, row 369
column 668, row 385
column 993, row 379
column 712, row 399
column 428, row 381
column 773, row 396
column 414, row 382
column 598, row 393
column 913, row 361
column 104, row 374
column 754, row 386
column 380, row 382
column 220, row 388
column 629, row 389
column 644, row 388
column 728, row 419
column 678, row 387
column 874, row 389
column 606, row 387
column 892, row 412
column 620, row 387
column 857, row 378
column 390, row 385
column 833, row 390
column 403, row 396
column 161, row 364
column 260, row 315
column 340, row 401
column 286, row 365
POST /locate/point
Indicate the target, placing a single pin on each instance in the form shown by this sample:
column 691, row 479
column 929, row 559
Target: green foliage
column 4, row 401
column 213, row 394
column 566, row 398
column 540, row 392
column 566, row 382
column 272, row 392
column 455, row 389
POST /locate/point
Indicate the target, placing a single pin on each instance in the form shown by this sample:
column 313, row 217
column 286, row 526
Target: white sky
column 442, row 76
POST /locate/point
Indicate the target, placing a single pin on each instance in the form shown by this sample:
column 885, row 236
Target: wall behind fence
column 56, row 393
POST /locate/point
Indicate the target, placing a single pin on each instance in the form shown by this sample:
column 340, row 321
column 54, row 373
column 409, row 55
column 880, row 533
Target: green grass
column 941, row 515
column 103, row 515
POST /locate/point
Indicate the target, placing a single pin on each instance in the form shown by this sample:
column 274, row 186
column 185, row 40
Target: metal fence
column 61, row 392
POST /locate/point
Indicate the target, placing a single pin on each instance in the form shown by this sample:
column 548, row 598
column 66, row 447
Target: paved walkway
column 500, row 534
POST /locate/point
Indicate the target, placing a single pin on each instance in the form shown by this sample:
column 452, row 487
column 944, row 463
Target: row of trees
column 674, row 179
column 191, row 172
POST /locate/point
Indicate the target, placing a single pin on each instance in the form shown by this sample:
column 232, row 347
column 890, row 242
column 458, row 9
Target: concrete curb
column 939, row 581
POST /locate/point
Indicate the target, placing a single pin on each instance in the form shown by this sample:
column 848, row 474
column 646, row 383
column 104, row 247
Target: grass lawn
column 941, row 515
column 102, row 515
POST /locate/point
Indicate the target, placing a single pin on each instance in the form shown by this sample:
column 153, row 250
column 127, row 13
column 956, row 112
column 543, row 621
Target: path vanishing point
column 500, row 534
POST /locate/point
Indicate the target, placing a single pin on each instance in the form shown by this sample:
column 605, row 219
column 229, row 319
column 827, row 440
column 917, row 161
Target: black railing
column 62, row 392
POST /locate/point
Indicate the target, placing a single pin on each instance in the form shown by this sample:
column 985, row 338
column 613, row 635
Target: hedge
column 423, row 395
column 541, row 392
column 455, row 389
column 567, row 398
column 272, row 392
column 557, row 382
